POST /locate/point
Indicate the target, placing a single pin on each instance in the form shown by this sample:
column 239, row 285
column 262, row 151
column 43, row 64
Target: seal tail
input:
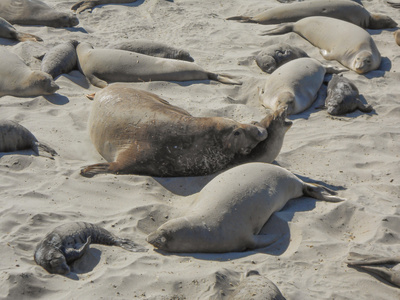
column 129, row 245
column 321, row 193
column 242, row 19
column 227, row 79
column 22, row 37
column 281, row 29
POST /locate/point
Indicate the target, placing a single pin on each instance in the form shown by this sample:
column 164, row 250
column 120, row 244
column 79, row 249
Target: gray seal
column 90, row 4
column 8, row 31
column 69, row 242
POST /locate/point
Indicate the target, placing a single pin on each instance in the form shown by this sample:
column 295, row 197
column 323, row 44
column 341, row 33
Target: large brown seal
column 35, row 12
column 111, row 65
column 138, row 132
column 80, row 6
column 8, row 31
column 338, row 40
column 230, row 211
column 348, row 11
column 17, row 79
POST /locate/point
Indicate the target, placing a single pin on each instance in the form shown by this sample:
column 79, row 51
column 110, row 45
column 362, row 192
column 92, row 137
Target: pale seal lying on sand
column 111, row 65
column 370, row 264
column 35, row 12
column 8, row 31
column 338, row 40
column 276, row 55
column 90, row 4
column 153, row 48
column 397, row 36
column 137, row 132
column 343, row 97
column 17, row 79
column 231, row 210
column 69, row 242
column 14, row 137
column 348, row 11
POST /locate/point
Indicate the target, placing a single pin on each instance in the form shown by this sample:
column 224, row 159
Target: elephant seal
column 17, row 79
column 90, row 4
column 111, row 65
column 35, row 12
column 231, row 210
column 14, row 137
column 69, row 242
column 397, row 36
column 369, row 264
column 61, row 59
column 152, row 48
column 338, row 40
column 137, row 132
column 348, row 11
column 8, row 31
column 393, row 4
column 276, row 55
column 343, row 97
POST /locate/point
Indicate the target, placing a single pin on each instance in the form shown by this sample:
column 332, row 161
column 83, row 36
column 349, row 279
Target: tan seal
column 8, row 31
column 397, row 36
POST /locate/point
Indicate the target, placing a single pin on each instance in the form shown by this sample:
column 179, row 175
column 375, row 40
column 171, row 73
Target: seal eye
column 236, row 133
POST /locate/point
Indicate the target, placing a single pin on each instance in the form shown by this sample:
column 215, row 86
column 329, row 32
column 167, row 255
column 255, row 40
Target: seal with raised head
column 348, row 11
column 8, row 31
column 230, row 211
column 338, row 40
column 80, row 6
column 17, row 79
column 35, row 12
column 397, row 36
column 69, row 242
column 101, row 66
column 137, row 132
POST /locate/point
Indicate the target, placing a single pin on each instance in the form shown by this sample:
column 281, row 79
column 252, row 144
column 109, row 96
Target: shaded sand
column 356, row 154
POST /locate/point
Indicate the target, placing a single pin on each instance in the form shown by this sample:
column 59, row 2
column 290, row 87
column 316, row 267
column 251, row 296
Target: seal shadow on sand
column 8, row 42
column 57, row 99
column 385, row 66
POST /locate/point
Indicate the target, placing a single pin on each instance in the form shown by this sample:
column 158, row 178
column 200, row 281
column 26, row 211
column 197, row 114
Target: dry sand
column 357, row 154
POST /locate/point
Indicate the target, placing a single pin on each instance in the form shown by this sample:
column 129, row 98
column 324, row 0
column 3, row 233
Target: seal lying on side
column 69, row 242
column 35, row 12
column 17, row 79
column 276, row 55
column 14, row 137
column 343, row 97
column 139, row 133
column 370, row 264
column 8, row 31
column 348, row 11
column 338, row 40
column 231, row 210
column 397, row 36
column 153, row 48
column 111, row 65
column 90, row 4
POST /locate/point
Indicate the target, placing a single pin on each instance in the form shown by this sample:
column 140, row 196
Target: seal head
column 363, row 62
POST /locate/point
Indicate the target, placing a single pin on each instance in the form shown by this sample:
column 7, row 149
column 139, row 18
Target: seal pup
column 14, row 137
column 17, row 79
column 230, row 211
column 90, row 4
column 8, row 31
column 370, row 264
column 111, row 65
column 338, row 40
column 397, row 36
column 153, row 48
column 137, row 132
column 35, row 12
column 343, row 97
column 348, row 11
column 276, row 55
column 69, row 242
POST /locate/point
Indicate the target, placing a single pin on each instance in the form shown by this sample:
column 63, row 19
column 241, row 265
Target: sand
column 356, row 154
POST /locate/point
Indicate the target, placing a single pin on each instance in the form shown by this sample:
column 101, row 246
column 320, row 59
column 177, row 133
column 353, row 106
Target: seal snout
column 157, row 239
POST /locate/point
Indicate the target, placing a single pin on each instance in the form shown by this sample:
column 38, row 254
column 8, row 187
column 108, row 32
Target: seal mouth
column 245, row 151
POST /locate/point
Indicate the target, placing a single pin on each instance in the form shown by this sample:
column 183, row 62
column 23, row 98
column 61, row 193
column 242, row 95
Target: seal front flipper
column 242, row 19
column 320, row 192
column 364, row 108
column 227, row 79
column 83, row 5
column 129, row 245
column 281, row 29
column 22, row 37
column 72, row 254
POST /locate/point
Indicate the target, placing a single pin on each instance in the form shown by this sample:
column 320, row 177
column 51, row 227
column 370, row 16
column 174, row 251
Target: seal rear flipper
column 281, row 29
column 383, row 272
column 364, row 108
column 223, row 78
column 83, row 5
column 264, row 240
column 72, row 254
column 22, row 37
column 242, row 19
column 97, row 81
column 102, row 168
column 39, row 148
column 393, row 4
column 356, row 259
column 130, row 245
column 320, row 192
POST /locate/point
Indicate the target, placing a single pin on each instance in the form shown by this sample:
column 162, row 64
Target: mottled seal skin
column 35, row 12
column 348, row 11
column 343, row 97
column 14, row 137
column 9, row 32
column 17, row 79
column 90, row 4
column 397, row 36
column 101, row 66
column 369, row 263
column 61, row 59
column 230, row 211
column 137, row 132
column 276, row 55
column 69, row 242
column 153, row 48
column 338, row 40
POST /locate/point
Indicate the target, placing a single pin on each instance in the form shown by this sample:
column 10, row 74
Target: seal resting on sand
column 397, row 36
column 90, row 4
column 8, row 31
column 137, row 132
column 69, row 242
column 338, row 40
column 230, row 211
column 17, row 79
column 111, row 65
column 348, row 11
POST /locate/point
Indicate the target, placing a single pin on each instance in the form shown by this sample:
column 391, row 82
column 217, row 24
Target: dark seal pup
column 69, row 242
column 8, row 31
